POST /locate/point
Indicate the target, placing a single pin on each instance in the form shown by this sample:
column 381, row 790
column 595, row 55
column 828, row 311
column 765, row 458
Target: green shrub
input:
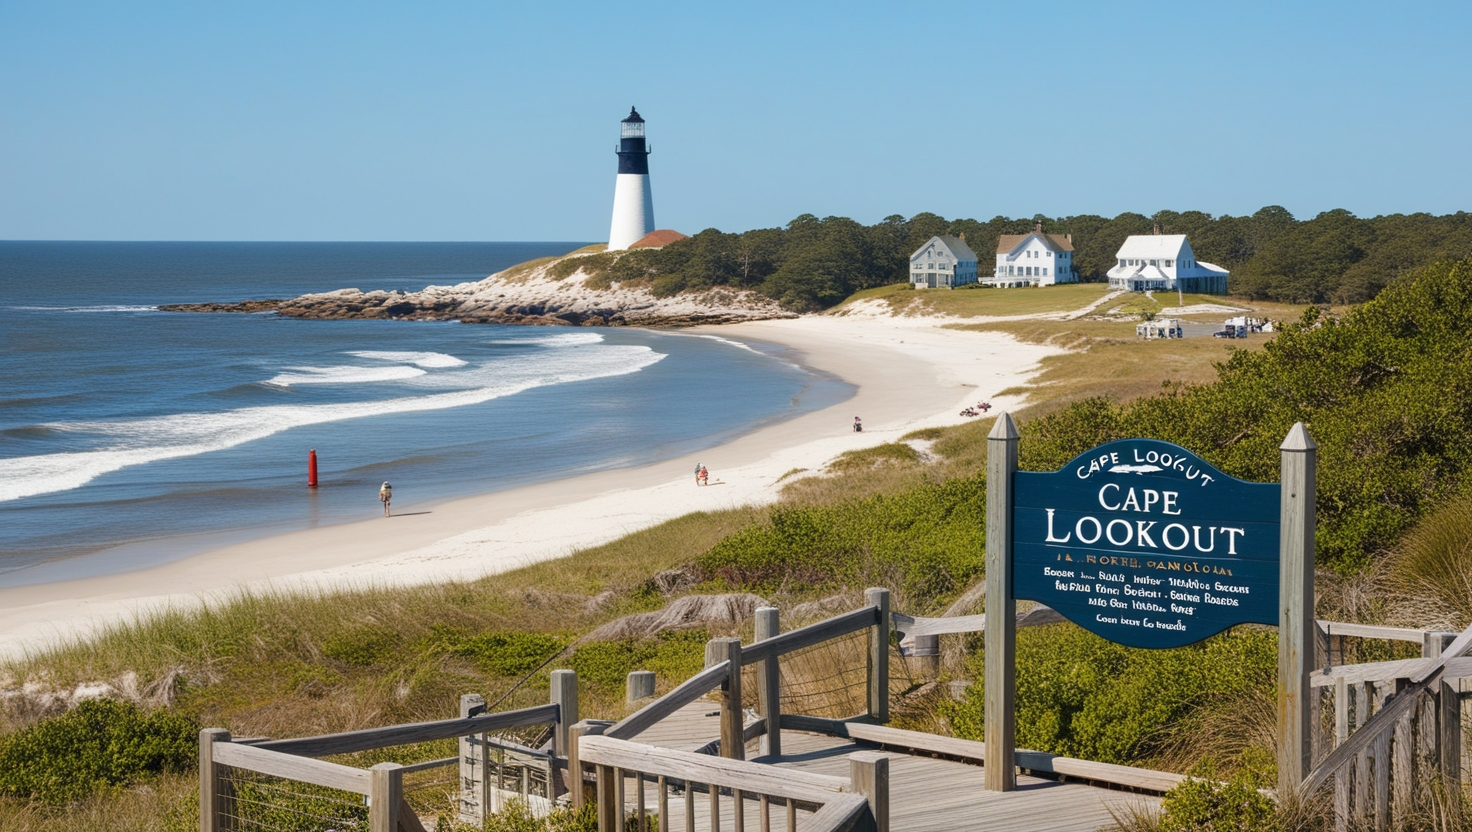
column 1081, row 696
column 507, row 654
column 931, row 539
column 362, row 646
column 603, row 665
column 1203, row 803
column 100, row 743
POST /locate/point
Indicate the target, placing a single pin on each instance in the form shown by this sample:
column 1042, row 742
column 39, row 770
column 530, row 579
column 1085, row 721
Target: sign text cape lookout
column 1146, row 544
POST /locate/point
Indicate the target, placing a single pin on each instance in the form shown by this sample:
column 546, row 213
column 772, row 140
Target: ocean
column 130, row 437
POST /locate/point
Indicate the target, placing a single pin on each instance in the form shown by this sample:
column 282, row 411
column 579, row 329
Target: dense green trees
column 813, row 263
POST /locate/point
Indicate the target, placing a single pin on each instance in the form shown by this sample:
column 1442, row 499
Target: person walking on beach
column 702, row 477
column 858, row 425
column 385, row 494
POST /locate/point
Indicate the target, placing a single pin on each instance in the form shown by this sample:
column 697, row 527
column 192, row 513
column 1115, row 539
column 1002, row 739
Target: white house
column 943, row 262
column 1164, row 262
column 1035, row 259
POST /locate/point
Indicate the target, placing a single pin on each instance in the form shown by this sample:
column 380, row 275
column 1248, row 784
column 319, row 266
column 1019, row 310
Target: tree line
column 812, row 263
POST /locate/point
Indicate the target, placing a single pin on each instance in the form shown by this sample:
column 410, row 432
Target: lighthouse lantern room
column 633, row 203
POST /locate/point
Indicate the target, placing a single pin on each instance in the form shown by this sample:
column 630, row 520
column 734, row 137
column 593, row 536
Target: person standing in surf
column 385, row 494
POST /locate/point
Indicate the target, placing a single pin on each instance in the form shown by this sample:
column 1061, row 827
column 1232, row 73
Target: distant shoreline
column 909, row 373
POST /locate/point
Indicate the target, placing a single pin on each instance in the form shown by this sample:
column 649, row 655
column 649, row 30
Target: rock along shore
column 522, row 295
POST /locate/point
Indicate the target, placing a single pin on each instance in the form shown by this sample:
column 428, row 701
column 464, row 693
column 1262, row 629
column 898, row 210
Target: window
column 1121, row 263
column 1167, row 264
column 1045, row 271
column 1050, row 254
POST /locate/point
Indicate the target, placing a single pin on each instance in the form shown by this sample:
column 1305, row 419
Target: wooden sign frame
column 1296, row 626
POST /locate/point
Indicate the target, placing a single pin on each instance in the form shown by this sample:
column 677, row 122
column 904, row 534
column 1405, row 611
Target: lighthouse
column 633, row 203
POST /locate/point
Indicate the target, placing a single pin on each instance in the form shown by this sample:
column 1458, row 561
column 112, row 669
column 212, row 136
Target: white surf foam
column 137, row 442
column 565, row 339
column 342, row 375
column 427, row 360
column 115, row 308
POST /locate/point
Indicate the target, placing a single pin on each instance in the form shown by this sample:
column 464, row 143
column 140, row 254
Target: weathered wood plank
column 1341, row 628
column 749, row 777
column 1368, row 672
column 688, row 691
column 826, row 630
column 733, row 734
column 842, row 814
column 371, row 738
column 293, row 767
column 971, row 751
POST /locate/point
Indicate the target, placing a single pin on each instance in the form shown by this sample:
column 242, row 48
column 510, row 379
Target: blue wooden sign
column 1147, row 544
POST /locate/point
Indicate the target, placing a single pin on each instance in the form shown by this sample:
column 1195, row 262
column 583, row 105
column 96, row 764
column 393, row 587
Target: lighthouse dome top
column 633, row 126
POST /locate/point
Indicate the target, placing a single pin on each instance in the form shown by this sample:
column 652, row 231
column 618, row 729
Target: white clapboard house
column 944, row 262
column 1034, row 259
column 1164, row 262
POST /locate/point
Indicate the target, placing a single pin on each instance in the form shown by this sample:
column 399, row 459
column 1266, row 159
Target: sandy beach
column 909, row 373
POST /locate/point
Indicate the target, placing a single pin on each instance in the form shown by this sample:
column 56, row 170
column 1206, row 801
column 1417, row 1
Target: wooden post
column 769, row 684
column 733, row 728
column 1433, row 644
column 610, row 806
column 574, row 763
column 1296, row 627
column 879, row 655
column 1449, row 741
column 474, row 808
column 1000, row 731
column 639, row 684
column 869, row 773
column 387, row 787
column 214, row 792
column 565, row 697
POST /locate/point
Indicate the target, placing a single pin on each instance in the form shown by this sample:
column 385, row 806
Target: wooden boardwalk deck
column 925, row 793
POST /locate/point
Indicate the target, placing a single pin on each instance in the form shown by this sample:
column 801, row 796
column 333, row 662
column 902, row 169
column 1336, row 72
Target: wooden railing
column 618, row 758
column 729, row 786
column 294, row 760
column 1397, row 726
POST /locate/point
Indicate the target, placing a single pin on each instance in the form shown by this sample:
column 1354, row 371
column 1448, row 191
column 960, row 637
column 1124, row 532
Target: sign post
column 1296, row 625
column 1000, row 638
column 1146, row 544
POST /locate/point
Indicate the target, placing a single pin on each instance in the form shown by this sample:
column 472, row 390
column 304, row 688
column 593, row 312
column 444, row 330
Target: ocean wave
column 427, row 360
column 565, row 339
column 141, row 441
column 110, row 308
column 342, row 375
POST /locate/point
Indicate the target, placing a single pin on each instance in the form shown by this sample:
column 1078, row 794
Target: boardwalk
column 925, row 793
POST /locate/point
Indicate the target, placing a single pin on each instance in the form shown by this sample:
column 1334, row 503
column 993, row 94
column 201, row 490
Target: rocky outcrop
column 522, row 295
column 243, row 306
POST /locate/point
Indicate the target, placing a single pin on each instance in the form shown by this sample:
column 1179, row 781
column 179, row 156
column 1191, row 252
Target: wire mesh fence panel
column 827, row 680
column 255, row 802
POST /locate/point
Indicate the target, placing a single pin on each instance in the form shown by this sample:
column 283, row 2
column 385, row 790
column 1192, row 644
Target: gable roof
column 1153, row 246
column 1007, row 243
column 957, row 246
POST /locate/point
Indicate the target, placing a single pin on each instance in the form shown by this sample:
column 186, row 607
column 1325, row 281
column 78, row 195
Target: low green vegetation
column 101, row 744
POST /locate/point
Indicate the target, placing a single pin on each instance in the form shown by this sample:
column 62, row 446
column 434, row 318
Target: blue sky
column 497, row 121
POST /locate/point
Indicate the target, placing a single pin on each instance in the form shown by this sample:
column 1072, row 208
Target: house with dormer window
column 944, row 262
column 1164, row 262
column 1034, row 259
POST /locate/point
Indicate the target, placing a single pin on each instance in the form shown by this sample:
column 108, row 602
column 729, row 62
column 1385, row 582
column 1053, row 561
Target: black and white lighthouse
column 633, row 203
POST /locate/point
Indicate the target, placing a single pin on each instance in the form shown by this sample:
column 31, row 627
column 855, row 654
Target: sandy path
column 910, row 373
